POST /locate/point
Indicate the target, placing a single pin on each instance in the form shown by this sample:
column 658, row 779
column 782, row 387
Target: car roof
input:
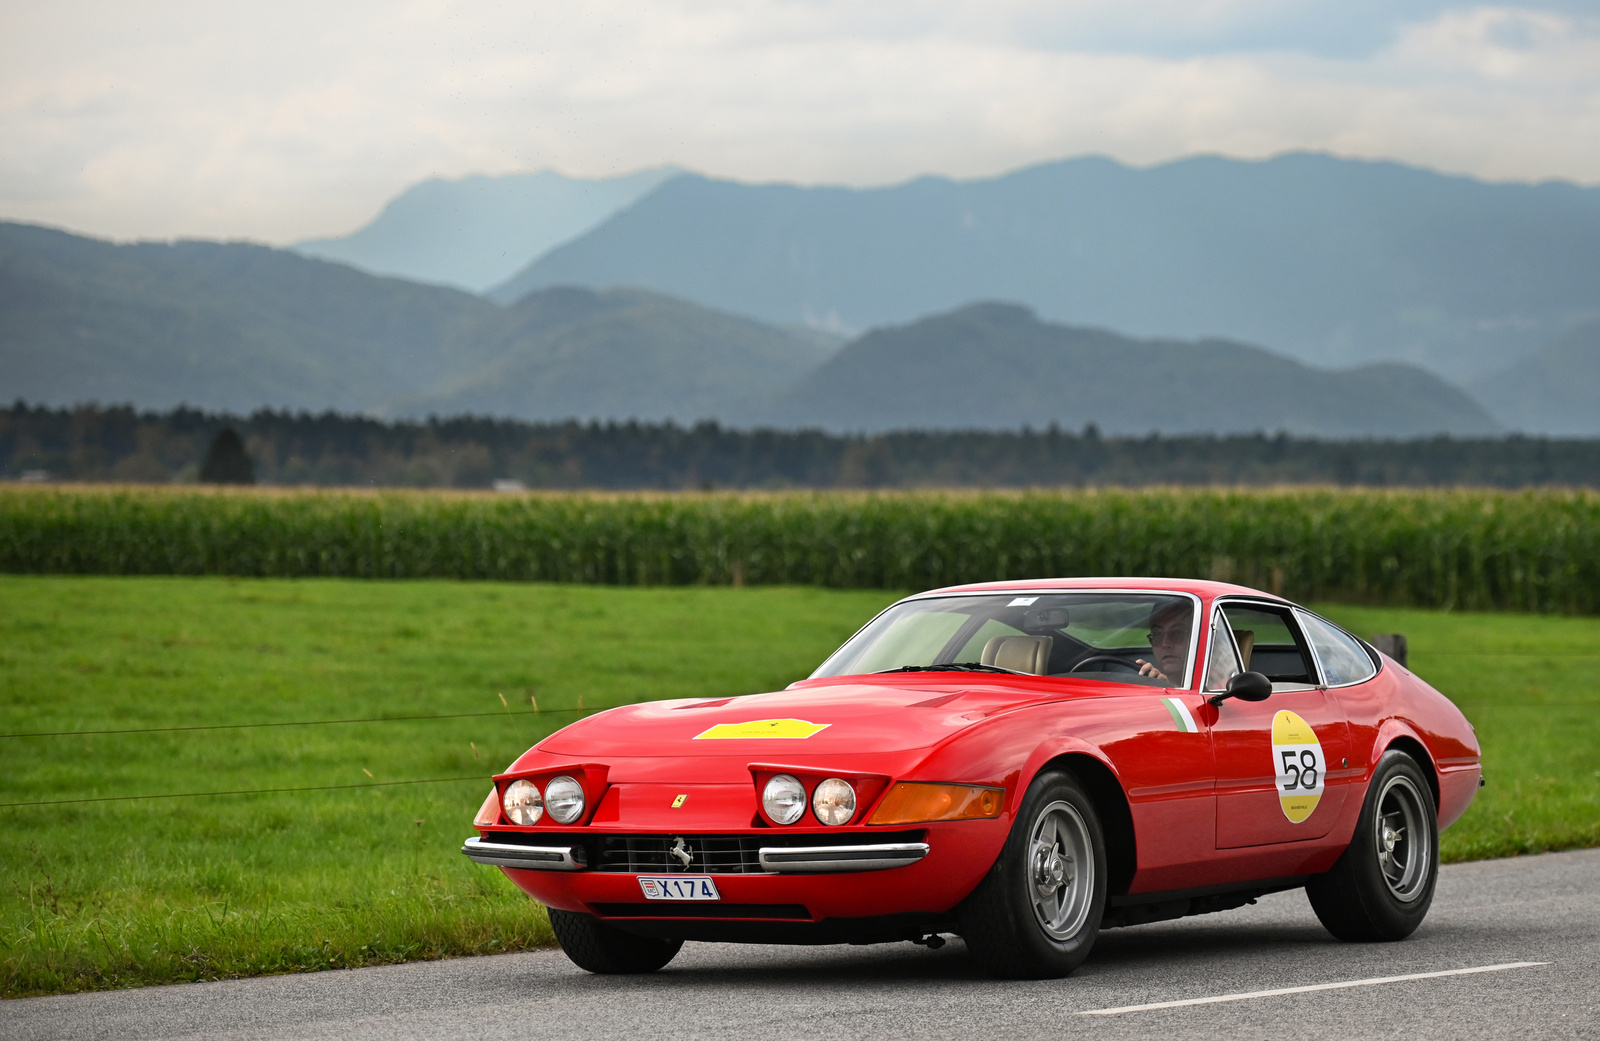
column 1200, row 587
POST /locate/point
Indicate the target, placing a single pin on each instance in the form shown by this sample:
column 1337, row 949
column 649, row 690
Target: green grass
column 96, row 895
column 100, row 895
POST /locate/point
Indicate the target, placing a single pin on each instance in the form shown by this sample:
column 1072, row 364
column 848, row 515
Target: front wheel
column 1382, row 886
column 1037, row 913
column 598, row 947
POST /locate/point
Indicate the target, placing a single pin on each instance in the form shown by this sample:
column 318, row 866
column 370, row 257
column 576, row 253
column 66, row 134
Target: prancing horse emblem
column 683, row 851
column 679, row 801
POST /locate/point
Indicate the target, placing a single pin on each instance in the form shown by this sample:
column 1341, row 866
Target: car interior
column 1100, row 638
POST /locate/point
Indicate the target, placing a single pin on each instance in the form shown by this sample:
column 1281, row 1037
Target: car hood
column 804, row 721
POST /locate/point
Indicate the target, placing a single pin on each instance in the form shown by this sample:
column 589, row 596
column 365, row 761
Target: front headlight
column 784, row 799
column 834, row 802
column 564, row 796
column 523, row 803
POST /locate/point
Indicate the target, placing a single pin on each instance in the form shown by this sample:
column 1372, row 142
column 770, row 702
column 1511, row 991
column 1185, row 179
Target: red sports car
column 1020, row 763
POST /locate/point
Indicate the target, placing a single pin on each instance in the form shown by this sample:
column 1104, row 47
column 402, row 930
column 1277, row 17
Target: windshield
column 1141, row 638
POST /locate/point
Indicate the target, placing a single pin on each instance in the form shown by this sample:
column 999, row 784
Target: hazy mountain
column 220, row 325
column 476, row 232
column 232, row 326
column 1332, row 261
column 623, row 353
column 997, row 366
column 1556, row 391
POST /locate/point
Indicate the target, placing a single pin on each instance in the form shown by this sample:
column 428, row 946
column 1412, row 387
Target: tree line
column 120, row 443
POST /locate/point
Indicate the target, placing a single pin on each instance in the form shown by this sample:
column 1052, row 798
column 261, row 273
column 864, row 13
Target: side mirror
column 1247, row 686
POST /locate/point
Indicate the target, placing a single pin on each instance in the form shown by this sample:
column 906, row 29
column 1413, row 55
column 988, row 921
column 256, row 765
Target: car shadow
column 1171, row 945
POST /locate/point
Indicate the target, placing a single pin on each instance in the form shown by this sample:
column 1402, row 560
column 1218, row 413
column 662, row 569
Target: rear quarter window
column 1344, row 660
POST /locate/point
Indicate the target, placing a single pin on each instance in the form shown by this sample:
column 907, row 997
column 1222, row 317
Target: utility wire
column 244, row 791
column 300, row 723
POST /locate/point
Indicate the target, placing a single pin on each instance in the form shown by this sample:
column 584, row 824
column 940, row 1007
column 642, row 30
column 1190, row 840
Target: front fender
column 1161, row 775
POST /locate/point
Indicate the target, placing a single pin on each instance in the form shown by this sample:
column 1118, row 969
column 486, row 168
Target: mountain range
column 1335, row 262
column 476, row 232
column 237, row 326
column 997, row 366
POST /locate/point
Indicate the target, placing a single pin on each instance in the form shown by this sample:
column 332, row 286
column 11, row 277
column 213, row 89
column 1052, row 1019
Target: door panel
column 1272, row 763
column 1274, row 756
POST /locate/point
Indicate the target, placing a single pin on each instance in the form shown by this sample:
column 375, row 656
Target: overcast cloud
column 295, row 119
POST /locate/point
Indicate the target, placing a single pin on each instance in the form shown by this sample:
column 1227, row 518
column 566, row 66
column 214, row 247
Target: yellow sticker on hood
column 767, row 728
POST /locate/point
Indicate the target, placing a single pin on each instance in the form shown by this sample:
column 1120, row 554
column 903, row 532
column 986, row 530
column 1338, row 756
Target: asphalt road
column 1532, row 909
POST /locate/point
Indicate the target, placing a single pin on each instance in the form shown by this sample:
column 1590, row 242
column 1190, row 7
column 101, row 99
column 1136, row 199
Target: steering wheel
column 1115, row 659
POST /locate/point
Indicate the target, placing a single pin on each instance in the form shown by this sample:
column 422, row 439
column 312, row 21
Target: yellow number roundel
column 1299, row 765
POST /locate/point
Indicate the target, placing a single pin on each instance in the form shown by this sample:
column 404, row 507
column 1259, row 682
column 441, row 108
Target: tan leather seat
column 1018, row 653
column 1246, row 639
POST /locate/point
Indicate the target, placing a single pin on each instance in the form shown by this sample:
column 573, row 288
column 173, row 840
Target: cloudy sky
column 294, row 119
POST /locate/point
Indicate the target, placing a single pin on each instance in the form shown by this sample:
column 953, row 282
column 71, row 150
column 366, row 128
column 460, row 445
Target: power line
column 300, row 723
column 245, row 791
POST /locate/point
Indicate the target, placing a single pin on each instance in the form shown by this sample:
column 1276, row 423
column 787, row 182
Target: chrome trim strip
column 532, row 858
column 820, row 859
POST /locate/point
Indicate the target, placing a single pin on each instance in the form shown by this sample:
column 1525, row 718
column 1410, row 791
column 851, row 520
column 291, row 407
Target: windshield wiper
column 955, row 666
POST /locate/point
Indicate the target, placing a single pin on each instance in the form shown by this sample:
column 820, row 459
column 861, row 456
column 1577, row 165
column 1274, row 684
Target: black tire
column 1015, row 923
column 1381, row 887
column 598, row 947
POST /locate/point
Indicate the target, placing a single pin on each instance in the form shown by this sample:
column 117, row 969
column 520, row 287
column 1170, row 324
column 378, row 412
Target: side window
column 1269, row 643
column 1222, row 663
column 1343, row 659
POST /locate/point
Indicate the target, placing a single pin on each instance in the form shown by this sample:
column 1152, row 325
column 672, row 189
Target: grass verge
column 108, row 894
column 113, row 894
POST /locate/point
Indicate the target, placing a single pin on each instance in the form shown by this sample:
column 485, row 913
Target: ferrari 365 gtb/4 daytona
column 1020, row 763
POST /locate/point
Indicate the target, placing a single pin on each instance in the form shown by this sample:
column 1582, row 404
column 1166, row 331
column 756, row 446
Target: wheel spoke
column 1400, row 825
column 1059, row 870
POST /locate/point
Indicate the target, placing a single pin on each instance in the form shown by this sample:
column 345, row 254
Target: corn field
column 1469, row 549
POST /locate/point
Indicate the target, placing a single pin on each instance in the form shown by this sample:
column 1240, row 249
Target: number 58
column 1304, row 772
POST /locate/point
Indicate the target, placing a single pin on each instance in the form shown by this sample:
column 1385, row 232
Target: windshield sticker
column 1180, row 715
column 1022, row 601
column 1298, row 762
column 793, row 729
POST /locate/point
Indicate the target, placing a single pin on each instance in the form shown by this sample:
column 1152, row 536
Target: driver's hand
column 1146, row 669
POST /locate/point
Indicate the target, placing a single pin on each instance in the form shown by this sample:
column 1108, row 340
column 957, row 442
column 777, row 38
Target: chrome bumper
column 786, row 860
column 819, row 859
column 532, row 858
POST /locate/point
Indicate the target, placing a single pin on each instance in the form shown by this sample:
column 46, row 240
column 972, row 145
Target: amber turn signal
column 489, row 813
column 911, row 803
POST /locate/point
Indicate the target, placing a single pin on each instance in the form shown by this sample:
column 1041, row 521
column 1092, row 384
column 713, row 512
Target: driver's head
column 1169, row 636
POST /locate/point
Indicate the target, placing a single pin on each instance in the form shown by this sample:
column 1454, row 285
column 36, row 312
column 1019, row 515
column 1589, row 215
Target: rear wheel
column 1037, row 913
column 598, row 947
column 1382, row 886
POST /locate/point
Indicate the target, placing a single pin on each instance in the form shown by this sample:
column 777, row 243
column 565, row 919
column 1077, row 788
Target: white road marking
column 1250, row 995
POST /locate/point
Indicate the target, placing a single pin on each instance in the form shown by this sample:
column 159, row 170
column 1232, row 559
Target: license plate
column 679, row 887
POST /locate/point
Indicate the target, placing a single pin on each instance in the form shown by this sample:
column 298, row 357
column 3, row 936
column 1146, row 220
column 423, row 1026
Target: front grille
column 790, row 912
column 711, row 854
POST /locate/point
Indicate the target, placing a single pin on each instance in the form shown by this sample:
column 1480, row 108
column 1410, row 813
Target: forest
column 124, row 445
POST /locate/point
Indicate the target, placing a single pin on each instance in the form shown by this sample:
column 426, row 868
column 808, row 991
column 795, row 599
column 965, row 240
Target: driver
column 1169, row 640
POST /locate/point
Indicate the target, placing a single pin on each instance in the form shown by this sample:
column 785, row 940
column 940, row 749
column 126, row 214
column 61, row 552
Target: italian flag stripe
column 1180, row 715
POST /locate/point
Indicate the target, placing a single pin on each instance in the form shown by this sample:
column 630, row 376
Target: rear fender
column 1399, row 734
column 1454, row 781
